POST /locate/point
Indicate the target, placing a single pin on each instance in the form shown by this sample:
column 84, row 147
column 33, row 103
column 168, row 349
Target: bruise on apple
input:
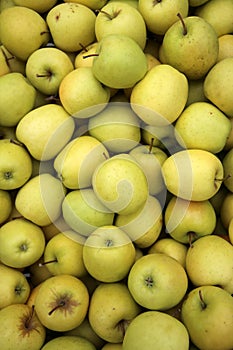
column 28, row 323
column 64, row 303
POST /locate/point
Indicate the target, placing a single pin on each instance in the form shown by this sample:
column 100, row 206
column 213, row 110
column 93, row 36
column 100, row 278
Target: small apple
column 230, row 231
column 6, row 205
column 62, row 302
column 226, row 210
column 41, row 7
column 68, row 342
column 80, row 57
column 225, row 42
column 228, row 169
column 21, row 243
column 92, row 4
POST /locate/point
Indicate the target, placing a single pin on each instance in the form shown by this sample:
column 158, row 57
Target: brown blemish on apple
column 63, row 303
column 28, row 323
column 122, row 326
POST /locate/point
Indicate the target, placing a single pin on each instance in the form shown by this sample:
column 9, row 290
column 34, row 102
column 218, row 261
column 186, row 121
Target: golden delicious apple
column 62, row 302
column 80, row 60
column 157, row 281
column 20, row 328
column 112, row 346
column 207, row 314
column 156, row 102
column 40, row 199
column 77, row 161
column 68, row 342
column 17, row 98
column 228, row 169
column 22, row 243
column 225, row 42
column 4, row 66
column 72, row 26
column 156, row 330
column 229, row 142
column 6, row 205
column 111, row 310
column 92, row 4
column 226, row 210
column 45, row 131
column 230, row 231
column 108, row 254
column 14, row 63
column 209, row 261
column 120, row 184
column 41, row 6
column 23, row 31
column 218, row 85
column 193, row 174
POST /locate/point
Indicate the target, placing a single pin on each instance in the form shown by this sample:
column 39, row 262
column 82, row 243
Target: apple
column 157, row 281
column 4, row 66
column 15, row 287
column 112, row 346
column 83, row 211
column 80, row 57
column 92, row 4
column 195, row 3
column 191, row 46
column 190, row 132
column 121, row 18
column 46, row 67
column 193, row 174
column 41, row 7
column 20, row 328
column 16, row 35
column 17, row 98
column 219, row 79
column 228, row 169
column 62, row 302
column 160, row 15
column 21, row 243
column 230, row 231
column 116, row 54
column 68, row 342
column 171, row 247
column 111, row 310
column 144, row 225
column 81, row 94
column 212, row 307
column 207, row 259
column 225, row 42
column 14, row 63
column 6, row 205
column 63, row 254
column 117, row 127
column 120, row 184
column 149, row 97
column 186, row 221
column 226, row 210
column 149, row 330
column 108, row 254
column 59, row 225
column 77, row 161
column 72, row 26
column 40, row 199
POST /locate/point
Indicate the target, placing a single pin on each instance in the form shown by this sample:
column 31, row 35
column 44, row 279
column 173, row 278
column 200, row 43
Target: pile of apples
column 116, row 174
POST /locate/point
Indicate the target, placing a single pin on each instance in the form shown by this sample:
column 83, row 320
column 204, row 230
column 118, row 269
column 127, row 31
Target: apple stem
column 192, row 236
column 47, row 262
column 224, row 178
column 203, row 304
column 60, row 304
column 151, row 144
column 45, row 75
column 91, row 55
column 105, row 155
column 7, row 59
column 16, row 142
column 83, row 47
column 105, row 13
column 52, row 98
column 183, row 24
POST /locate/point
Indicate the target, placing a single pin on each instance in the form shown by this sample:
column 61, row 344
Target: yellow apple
column 226, row 210
column 68, row 342
column 6, row 205
column 225, row 46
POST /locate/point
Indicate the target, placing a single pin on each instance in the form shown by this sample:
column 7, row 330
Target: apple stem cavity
column 83, row 47
column 192, row 236
column 91, row 55
column 111, row 17
column 183, row 24
column 61, row 303
column 123, row 325
column 224, row 178
column 203, row 304
column 47, row 262
column 7, row 59
column 28, row 323
column 48, row 75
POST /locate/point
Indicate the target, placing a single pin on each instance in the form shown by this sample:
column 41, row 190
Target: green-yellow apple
column 207, row 314
column 117, row 54
column 6, row 205
column 120, row 184
column 149, row 330
column 196, row 91
column 45, row 130
column 191, row 46
column 111, row 310
column 193, row 174
column 219, row 79
column 226, row 210
column 72, row 26
column 144, row 225
column 195, row 3
column 151, row 158
column 117, row 127
column 14, row 63
column 77, row 161
column 62, row 302
column 80, row 90
column 230, row 231
column 84, row 212
column 225, row 43
column 23, row 31
column 16, row 165
column 219, row 14
column 158, row 136
column 40, row 199
column 15, row 288
column 228, row 169
column 46, row 67
column 68, row 342
column 196, row 127
column 88, row 50
column 218, row 198
column 63, row 254
column 156, row 102
column 4, row 65
column 209, row 261
column 151, row 60
column 92, row 4
column 171, row 247
column 20, row 328
column 187, row 221
column 41, row 7
column 21, row 243
column 112, row 346
column 133, row 3
column 121, row 18
column 160, row 15
column 108, row 254
column 157, row 281
column 17, row 98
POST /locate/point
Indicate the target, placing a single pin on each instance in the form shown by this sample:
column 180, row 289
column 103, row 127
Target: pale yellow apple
column 92, row 4
column 6, row 205
column 4, row 67
column 229, row 142
column 226, row 210
column 225, row 46
column 14, row 63
column 68, row 342
column 228, row 169
column 40, row 7
column 230, row 230
column 80, row 60
column 152, row 61
column 112, row 346
column 149, row 98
